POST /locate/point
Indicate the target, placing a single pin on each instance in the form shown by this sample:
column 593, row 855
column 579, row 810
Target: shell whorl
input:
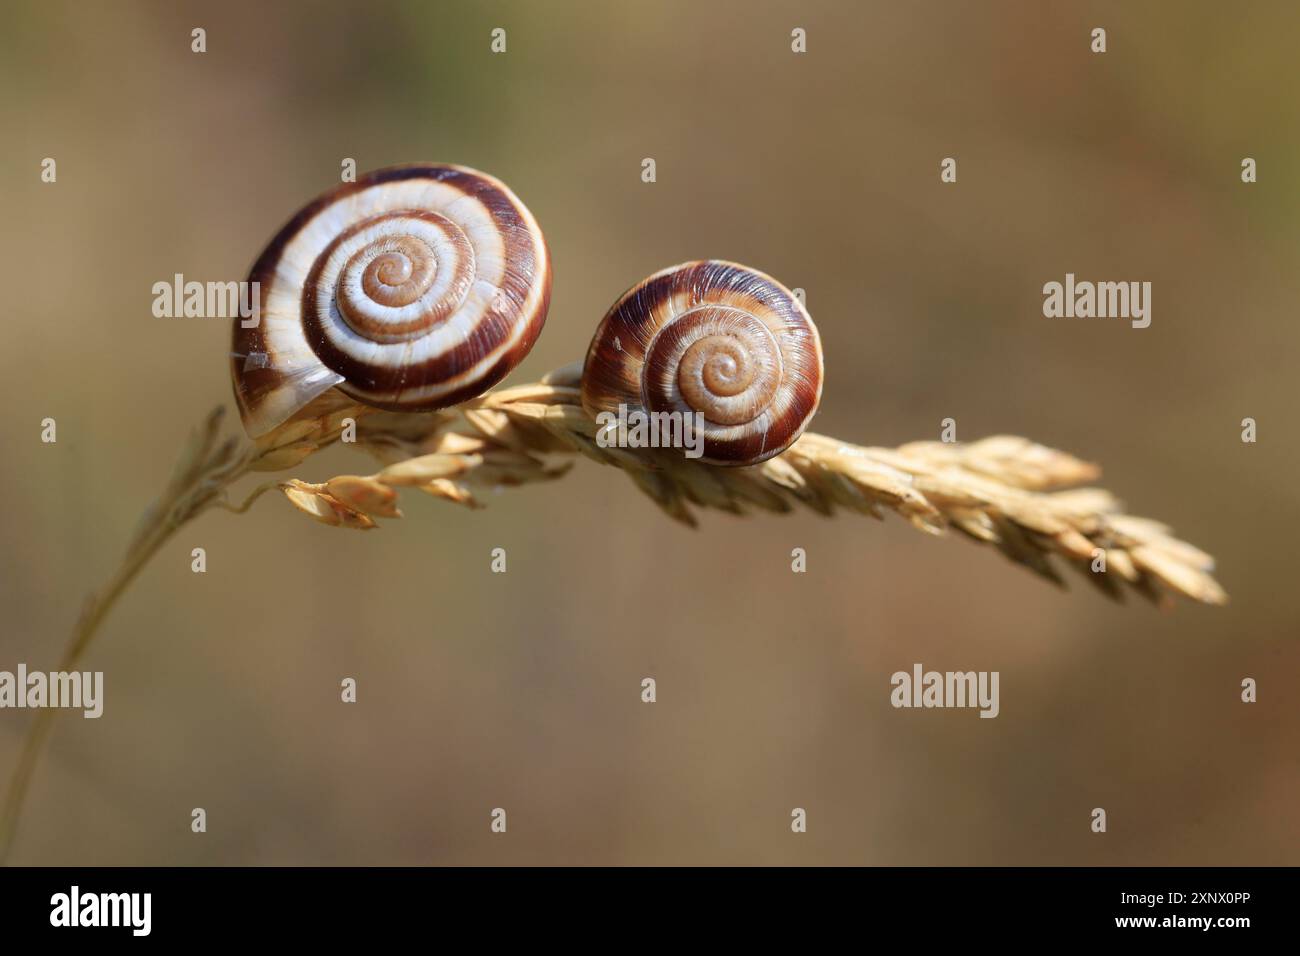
column 717, row 338
column 414, row 288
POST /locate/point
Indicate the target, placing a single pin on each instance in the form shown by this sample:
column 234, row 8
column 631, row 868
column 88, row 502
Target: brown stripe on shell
column 613, row 371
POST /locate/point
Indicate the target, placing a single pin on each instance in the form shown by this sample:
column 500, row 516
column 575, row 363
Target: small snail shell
column 717, row 338
column 413, row 288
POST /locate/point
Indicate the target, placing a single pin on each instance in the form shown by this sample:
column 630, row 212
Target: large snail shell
column 717, row 338
column 413, row 288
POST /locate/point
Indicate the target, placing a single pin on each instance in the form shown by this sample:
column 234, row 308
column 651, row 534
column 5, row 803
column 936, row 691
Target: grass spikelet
column 1008, row 492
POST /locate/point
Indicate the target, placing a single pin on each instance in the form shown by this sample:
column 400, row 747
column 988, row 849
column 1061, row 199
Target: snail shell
column 413, row 288
column 717, row 338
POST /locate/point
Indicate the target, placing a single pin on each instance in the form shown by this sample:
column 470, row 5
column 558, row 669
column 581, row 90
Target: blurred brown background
column 522, row 690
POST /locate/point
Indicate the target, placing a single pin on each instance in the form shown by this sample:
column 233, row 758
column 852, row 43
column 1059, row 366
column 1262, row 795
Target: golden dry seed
column 367, row 495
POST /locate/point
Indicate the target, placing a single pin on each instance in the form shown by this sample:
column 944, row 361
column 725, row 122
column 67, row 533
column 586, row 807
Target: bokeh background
column 522, row 690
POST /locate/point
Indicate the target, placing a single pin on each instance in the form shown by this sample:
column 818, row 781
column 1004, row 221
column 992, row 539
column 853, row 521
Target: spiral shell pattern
column 717, row 338
column 414, row 288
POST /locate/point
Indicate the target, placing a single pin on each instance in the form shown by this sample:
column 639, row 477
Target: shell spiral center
column 399, row 275
column 716, row 360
